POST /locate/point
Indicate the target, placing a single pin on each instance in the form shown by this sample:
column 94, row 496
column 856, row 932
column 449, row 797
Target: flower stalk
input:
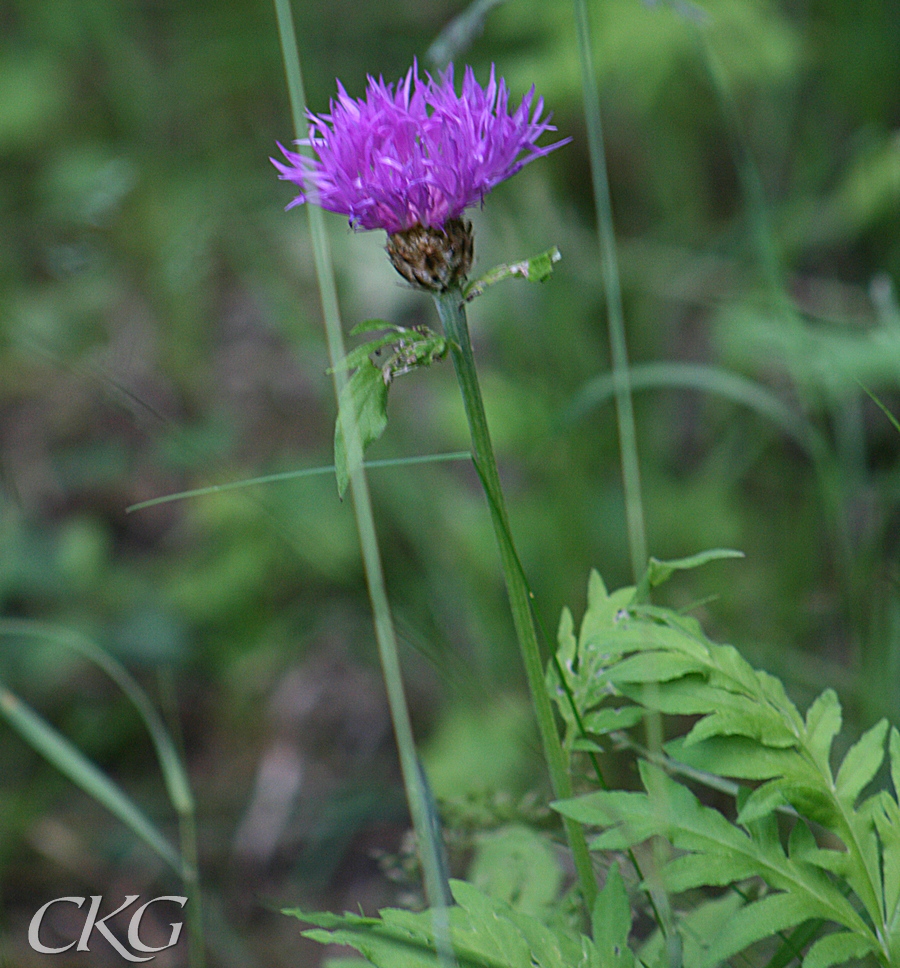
column 428, row 842
column 451, row 308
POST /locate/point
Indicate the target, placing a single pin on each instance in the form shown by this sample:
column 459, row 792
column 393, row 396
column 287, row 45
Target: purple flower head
column 417, row 154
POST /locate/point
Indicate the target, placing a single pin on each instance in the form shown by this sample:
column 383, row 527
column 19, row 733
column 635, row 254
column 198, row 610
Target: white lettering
column 34, row 928
column 134, row 926
column 100, row 925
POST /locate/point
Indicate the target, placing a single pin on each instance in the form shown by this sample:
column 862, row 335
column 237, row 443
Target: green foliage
column 486, row 933
column 536, row 269
column 363, row 400
column 840, row 863
column 519, row 866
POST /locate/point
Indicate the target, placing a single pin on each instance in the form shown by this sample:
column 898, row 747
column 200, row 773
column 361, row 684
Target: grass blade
column 428, row 845
column 295, row 475
column 75, row 766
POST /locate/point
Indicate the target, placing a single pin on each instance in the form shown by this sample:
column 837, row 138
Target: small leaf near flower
column 364, row 397
column 536, row 269
column 363, row 401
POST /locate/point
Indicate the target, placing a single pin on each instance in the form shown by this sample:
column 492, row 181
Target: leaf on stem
column 362, row 407
column 536, row 269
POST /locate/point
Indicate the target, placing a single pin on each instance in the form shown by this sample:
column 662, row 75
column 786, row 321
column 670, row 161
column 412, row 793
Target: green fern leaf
column 861, row 763
column 756, row 921
column 835, row 949
column 823, row 723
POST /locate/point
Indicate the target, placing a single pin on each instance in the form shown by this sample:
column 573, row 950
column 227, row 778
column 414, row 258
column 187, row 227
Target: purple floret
column 419, row 153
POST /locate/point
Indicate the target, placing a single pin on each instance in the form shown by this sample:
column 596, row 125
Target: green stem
column 634, row 510
column 429, row 846
column 451, row 308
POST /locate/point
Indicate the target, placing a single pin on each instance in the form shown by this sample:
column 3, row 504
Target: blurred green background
column 160, row 330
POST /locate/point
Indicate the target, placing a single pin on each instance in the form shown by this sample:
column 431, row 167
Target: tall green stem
column 451, row 308
column 634, row 511
column 427, row 840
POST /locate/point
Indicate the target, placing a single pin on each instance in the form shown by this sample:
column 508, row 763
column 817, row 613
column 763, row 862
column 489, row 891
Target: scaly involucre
column 417, row 154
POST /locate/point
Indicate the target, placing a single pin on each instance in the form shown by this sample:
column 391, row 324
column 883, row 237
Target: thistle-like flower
column 410, row 159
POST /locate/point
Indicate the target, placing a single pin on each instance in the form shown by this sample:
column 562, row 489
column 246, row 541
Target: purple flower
column 417, row 154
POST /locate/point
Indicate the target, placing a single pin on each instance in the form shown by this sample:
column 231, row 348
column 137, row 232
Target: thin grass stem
column 428, row 843
column 609, row 261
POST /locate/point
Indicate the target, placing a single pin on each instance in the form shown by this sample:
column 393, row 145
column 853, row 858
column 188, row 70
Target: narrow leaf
column 373, row 325
column 611, row 918
column 823, row 723
column 661, row 571
column 759, row 920
column 76, row 767
column 173, row 771
column 894, row 750
column 536, row 269
column 861, row 763
column 835, row 949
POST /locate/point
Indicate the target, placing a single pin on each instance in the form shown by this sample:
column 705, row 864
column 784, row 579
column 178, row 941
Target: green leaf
column 76, row 767
column 361, row 354
column 363, row 407
column 837, row 948
column 661, row 571
column 653, row 667
column 861, row 763
column 823, row 723
column 611, row 920
column 517, row 865
column 763, row 801
column 536, row 269
column 894, row 750
column 611, row 719
column 373, row 325
column 735, row 756
column 754, row 922
column 485, row 933
column 887, row 824
column 698, row 928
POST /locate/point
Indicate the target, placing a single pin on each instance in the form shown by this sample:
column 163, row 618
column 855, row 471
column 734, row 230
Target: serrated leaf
column 743, row 719
column 861, row 763
column 611, row 920
column 690, row 696
column 894, row 752
column 698, row 927
column 762, row 801
column 653, row 667
column 823, row 723
column 801, row 841
column 363, row 404
column 610, row 719
column 754, row 922
column 835, row 949
column 704, row 870
column 734, row 756
column 887, row 823
column 485, row 933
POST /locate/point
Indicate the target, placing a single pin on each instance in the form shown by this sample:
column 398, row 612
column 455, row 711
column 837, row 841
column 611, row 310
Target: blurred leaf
column 364, row 403
column 517, row 865
column 73, row 764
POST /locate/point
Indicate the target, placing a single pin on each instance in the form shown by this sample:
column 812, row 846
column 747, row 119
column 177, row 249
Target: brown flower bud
column 433, row 258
